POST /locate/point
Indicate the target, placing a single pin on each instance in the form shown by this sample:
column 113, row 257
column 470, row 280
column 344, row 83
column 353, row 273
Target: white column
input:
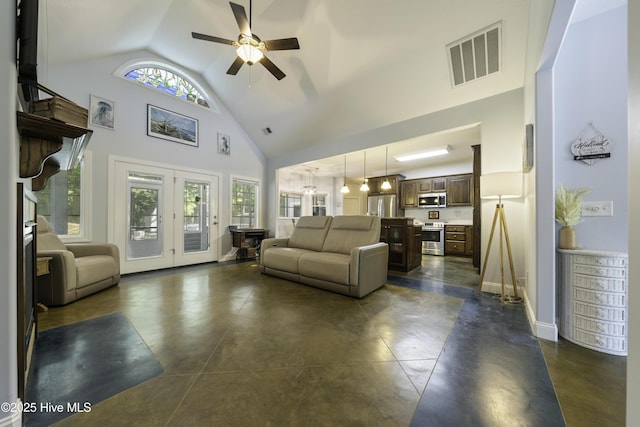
column 8, row 178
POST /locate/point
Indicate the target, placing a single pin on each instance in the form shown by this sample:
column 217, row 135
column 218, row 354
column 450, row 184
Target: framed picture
column 434, row 214
column 527, row 152
column 171, row 126
column 101, row 112
column 224, row 144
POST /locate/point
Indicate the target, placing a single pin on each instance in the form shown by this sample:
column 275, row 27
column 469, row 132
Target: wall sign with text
column 591, row 145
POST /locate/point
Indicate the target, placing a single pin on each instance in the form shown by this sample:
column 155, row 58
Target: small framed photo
column 171, row 126
column 434, row 214
column 224, row 144
column 102, row 112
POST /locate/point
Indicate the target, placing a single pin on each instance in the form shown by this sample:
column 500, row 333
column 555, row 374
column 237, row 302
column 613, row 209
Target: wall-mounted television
column 27, row 25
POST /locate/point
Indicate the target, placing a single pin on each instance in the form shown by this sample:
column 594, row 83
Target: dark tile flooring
column 590, row 386
column 241, row 348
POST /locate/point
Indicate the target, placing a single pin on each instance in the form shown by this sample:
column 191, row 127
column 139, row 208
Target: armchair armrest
column 88, row 249
column 368, row 268
column 63, row 269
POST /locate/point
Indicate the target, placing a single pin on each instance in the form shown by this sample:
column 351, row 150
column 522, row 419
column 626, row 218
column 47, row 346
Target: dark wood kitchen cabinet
column 405, row 243
column 460, row 190
column 375, row 185
column 458, row 240
column 409, row 193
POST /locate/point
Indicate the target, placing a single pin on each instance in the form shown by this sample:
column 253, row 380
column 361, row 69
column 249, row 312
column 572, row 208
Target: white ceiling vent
column 476, row 55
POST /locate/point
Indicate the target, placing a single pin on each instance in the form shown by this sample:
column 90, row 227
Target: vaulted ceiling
column 362, row 64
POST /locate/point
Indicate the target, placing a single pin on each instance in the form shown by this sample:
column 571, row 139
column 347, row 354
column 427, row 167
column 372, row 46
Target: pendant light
column 386, row 185
column 345, row 187
column 310, row 188
column 364, row 186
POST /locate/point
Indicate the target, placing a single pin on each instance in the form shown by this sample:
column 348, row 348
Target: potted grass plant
column 568, row 210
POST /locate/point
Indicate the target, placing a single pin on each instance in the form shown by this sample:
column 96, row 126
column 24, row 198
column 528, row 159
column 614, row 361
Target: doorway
column 163, row 217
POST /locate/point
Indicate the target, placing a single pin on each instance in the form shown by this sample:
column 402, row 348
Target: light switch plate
column 597, row 208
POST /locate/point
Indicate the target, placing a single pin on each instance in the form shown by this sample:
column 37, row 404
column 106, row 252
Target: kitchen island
column 405, row 243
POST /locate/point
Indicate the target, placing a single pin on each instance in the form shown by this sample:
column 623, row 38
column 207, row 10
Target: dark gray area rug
column 78, row 365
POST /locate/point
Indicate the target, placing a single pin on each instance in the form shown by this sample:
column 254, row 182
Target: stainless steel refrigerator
column 383, row 206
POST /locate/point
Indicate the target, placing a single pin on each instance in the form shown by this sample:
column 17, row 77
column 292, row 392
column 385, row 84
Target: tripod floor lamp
column 501, row 185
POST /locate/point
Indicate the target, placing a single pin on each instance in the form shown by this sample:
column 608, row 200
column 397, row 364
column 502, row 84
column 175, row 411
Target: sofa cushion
column 310, row 232
column 349, row 231
column 94, row 268
column 332, row 267
column 285, row 259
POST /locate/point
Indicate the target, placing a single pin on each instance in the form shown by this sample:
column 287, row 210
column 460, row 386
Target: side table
column 592, row 301
column 43, row 273
column 248, row 241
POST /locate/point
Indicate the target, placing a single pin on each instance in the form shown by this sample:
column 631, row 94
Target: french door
column 163, row 217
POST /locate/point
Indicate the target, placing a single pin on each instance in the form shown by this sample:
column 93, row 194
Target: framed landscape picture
column 171, row 126
column 102, row 112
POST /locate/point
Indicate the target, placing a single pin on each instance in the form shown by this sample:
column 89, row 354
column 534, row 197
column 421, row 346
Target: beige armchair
column 77, row 270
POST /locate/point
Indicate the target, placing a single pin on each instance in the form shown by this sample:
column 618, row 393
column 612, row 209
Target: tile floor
column 240, row 348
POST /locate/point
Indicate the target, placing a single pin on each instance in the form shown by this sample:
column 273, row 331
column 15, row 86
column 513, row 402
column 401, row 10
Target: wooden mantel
column 42, row 140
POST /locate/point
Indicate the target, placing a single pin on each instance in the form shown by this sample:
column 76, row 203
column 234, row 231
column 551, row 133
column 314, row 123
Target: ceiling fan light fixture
column 249, row 53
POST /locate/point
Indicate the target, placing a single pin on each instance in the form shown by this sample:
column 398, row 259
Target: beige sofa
column 342, row 254
column 77, row 270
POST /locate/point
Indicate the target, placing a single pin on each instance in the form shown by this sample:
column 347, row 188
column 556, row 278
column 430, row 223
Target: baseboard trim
column 547, row 331
column 496, row 288
column 13, row 418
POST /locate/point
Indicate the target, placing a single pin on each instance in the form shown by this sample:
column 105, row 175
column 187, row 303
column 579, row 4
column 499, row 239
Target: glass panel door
column 145, row 216
column 196, row 216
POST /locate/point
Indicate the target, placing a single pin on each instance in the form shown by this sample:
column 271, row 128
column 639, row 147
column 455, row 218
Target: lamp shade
column 506, row 185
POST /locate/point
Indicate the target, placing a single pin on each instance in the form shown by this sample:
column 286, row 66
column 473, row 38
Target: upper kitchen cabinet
column 375, row 185
column 460, row 190
column 409, row 193
column 432, row 185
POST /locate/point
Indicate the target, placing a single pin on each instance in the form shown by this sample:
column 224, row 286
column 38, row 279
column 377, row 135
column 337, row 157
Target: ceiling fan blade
column 277, row 72
column 211, row 38
column 235, row 67
column 282, row 44
column 241, row 18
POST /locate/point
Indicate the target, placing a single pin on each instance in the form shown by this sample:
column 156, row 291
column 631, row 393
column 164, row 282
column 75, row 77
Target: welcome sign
column 591, row 146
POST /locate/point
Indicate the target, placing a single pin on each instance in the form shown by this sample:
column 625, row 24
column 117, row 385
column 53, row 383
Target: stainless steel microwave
column 432, row 200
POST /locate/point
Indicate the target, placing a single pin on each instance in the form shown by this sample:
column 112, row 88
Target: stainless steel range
column 433, row 238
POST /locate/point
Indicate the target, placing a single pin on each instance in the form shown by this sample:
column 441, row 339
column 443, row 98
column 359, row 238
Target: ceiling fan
column 250, row 48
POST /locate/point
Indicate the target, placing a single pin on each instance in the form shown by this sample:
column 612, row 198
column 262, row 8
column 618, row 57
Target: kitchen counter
column 459, row 222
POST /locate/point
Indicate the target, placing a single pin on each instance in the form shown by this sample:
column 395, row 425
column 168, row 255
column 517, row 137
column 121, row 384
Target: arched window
column 166, row 81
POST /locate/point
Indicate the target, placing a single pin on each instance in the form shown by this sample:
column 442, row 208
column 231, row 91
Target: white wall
column 591, row 86
column 8, row 174
column 129, row 139
column 633, row 360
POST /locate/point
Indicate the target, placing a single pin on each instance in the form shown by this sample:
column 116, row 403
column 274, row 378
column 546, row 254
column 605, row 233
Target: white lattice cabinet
column 593, row 299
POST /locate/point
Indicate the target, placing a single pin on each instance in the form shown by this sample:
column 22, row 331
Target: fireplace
column 26, row 266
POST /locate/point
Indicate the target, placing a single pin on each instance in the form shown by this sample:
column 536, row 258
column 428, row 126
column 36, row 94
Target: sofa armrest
column 272, row 242
column 368, row 268
column 62, row 269
column 88, row 249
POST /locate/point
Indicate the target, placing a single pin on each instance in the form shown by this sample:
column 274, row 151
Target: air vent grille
column 476, row 55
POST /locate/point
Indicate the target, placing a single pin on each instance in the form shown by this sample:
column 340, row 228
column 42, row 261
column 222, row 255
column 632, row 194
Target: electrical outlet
column 597, row 208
